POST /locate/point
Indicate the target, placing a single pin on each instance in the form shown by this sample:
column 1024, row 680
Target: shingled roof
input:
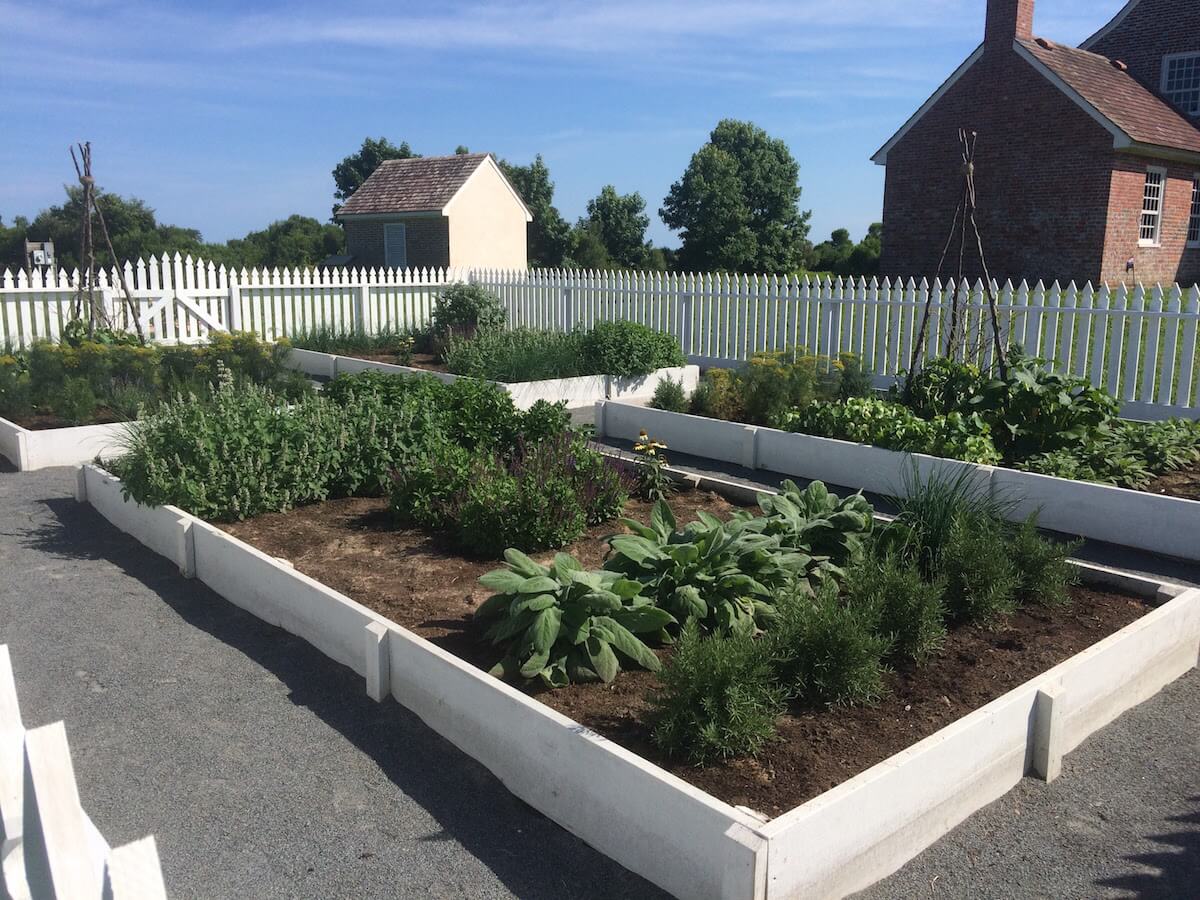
column 419, row 184
column 1112, row 92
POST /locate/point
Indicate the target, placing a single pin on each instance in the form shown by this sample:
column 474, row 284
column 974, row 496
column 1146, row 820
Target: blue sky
column 227, row 115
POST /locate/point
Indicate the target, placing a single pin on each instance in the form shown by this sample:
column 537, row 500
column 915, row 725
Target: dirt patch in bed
column 426, row 361
column 420, row 582
column 1183, row 483
column 49, row 421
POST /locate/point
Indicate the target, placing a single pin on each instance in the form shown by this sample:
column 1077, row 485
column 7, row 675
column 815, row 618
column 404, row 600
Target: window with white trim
column 1152, row 207
column 395, row 245
column 1194, row 220
column 1181, row 81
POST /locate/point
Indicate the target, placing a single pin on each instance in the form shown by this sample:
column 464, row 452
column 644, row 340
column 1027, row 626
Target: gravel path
column 1123, row 820
column 260, row 766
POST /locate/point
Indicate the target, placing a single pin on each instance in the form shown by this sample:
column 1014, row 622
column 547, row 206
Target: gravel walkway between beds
column 1123, row 820
column 260, row 766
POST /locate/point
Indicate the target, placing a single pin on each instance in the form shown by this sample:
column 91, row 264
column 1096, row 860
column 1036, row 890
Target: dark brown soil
column 419, row 582
column 47, row 421
column 1182, row 483
column 425, row 361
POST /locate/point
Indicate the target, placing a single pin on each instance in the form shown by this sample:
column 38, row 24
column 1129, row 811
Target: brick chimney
column 1008, row 19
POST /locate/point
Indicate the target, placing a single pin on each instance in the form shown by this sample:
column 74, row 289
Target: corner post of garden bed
column 599, row 418
column 80, row 485
column 1048, row 731
column 378, row 661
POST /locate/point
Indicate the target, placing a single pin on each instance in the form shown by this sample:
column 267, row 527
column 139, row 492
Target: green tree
column 841, row 256
column 134, row 229
column 351, row 172
column 737, row 204
column 12, row 243
column 587, row 248
column 549, row 233
column 296, row 241
column 620, row 222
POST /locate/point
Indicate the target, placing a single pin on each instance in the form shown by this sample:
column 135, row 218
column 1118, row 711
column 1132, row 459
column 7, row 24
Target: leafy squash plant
column 815, row 525
column 724, row 575
column 562, row 624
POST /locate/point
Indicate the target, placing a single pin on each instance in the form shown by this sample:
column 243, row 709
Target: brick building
column 434, row 212
column 1087, row 159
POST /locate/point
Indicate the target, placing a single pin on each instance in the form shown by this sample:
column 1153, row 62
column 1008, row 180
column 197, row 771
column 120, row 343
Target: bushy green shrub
column 827, row 652
column 1043, row 573
column 75, row 402
column 670, row 395
column 628, row 348
column 465, row 310
column 15, row 397
column 717, row 396
column 540, row 495
column 235, row 454
column 523, row 354
column 718, row 700
column 908, row 609
column 979, row 571
column 940, row 387
column 563, row 625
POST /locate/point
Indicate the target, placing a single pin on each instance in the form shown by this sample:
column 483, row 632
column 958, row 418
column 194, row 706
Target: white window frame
column 1155, row 241
column 1166, row 67
column 389, row 230
column 1193, row 232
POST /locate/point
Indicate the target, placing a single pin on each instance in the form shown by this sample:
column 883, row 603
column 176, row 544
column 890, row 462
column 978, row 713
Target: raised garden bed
column 52, row 445
column 579, row 391
column 682, row 838
column 1159, row 523
column 421, row 584
column 62, row 405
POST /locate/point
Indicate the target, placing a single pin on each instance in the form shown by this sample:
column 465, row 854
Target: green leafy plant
column 1035, row 410
column 816, row 523
column 718, row 700
column 890, row 425
column 723, row 575
column 562, row 624
column 940, row 387
column 670, row 395
column 75, row 402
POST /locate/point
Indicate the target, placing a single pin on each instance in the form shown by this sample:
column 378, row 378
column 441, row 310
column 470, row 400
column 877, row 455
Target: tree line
column 736, row 208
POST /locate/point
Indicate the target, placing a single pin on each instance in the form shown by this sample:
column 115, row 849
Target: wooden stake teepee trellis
column 964, row 217
column 97, row 315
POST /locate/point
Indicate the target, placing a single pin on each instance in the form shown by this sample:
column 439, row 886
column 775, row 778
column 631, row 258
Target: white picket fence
column 1139, row 343
column 49, row 848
